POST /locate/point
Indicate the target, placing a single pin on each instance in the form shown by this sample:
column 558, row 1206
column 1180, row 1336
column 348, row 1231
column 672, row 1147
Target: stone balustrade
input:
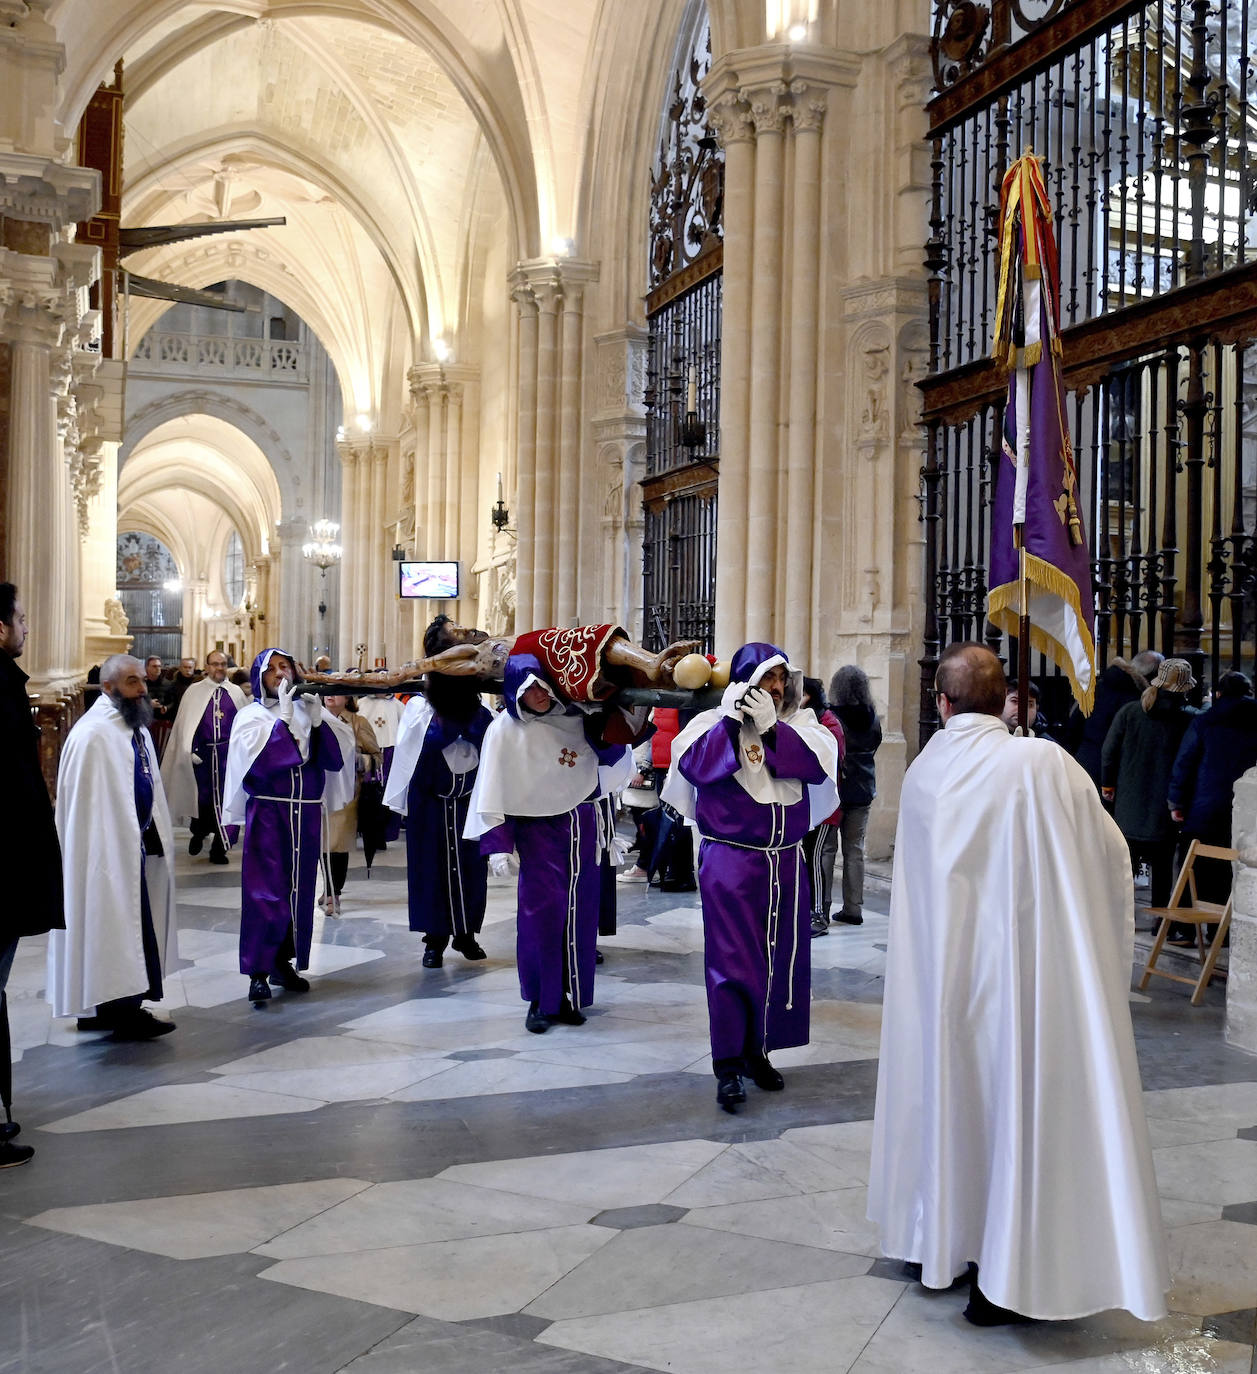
column 282, row 360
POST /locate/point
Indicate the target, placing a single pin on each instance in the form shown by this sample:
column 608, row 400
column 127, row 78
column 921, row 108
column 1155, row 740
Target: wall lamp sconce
column 498, row 513
column 399, row 554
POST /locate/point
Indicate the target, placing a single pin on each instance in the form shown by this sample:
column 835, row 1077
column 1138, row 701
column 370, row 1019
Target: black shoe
column 820, row 925
column 91, row 1023
column 598, row 959
column 983, row 1312
column 729, row 1092
column 848, row 919
column 286, row 977
column 466, row 946
column 196, row 844
column 568, row 1014
column 142, row 1025
column 8, row 1129
column 13, row 1155
column 431, row 957
column 259, row 989
column 218, row 855
column 536, row 1021
column 763, row 1075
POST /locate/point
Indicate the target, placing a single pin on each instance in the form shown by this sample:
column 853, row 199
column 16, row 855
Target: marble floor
column 390, row 1176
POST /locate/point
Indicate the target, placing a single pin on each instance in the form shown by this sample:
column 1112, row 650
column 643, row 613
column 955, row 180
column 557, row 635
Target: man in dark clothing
column 1121, row 682
column 1220, row 746
column 180, row 683
column 852, row 702
column 26, row 822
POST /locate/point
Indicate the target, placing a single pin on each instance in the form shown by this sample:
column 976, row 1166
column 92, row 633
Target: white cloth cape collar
column 460, row 756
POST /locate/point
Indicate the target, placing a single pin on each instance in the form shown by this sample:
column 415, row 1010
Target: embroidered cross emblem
column 568, row 756
column 754, row 753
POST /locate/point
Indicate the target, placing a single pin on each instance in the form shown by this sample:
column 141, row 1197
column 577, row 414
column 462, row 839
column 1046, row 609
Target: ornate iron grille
column 682, row 394
column 1143, row 117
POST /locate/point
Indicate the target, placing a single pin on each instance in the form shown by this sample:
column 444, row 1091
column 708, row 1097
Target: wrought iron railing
column 1142, row 115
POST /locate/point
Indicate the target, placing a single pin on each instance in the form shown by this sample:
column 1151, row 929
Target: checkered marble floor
column 391, row 1175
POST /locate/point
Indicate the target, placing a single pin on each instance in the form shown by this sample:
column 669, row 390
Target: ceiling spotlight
column 442, row 350
column 364, row 423
column 562, row 248
column 797, row 33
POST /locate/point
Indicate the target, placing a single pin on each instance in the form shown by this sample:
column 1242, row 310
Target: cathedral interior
column 673, row 315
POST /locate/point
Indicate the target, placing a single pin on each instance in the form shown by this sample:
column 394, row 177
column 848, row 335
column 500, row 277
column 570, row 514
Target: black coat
column 34, row 903
column 857, row 785
column 1139, row 753
column 1220, row 746
column 1084, row 735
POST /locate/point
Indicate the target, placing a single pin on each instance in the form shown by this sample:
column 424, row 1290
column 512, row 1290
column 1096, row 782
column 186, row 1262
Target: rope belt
column 292, row 801
column 754, row 848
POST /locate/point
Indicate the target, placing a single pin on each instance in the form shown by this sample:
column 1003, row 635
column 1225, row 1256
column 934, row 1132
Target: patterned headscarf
column 1174, row 675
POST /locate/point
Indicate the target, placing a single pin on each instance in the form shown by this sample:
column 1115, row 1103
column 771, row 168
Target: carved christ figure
column 588, row 663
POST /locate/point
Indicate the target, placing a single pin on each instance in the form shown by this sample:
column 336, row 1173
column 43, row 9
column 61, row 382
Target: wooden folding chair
column 1193, row 913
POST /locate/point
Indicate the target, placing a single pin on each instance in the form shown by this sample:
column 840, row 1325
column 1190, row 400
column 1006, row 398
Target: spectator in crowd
column 1135, row 767
column 1219, row 747
column 179, row 684
column 1119, row 684
column 1012, row 705
column 852, row 702
column 27, row 825
column 157, row 686
column 639, row 800
column 820, row 846
column 357, row 741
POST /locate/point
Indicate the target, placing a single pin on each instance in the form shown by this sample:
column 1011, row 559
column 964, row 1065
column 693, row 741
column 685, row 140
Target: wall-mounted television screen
column 428, row 581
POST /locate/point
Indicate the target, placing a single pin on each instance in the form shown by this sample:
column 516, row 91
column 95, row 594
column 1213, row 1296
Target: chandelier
column 321, row 548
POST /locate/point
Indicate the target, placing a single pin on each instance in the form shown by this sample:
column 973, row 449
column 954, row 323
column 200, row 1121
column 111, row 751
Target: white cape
column 753, row 775
column 384, row 715
column 1009, row 1127
column 340, row 787
column 99, row 956
column 176, row 767
column 250, row 734
column 460, row 756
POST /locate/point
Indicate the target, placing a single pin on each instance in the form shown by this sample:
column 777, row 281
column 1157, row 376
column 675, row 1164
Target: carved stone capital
column 808, row 106
column 767, row 110
column 729, row 117
column 45, row 191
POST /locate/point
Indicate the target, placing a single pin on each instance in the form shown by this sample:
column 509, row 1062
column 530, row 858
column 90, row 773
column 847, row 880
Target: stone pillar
column 567, row 507
column 731, row 119
column 807, row 113
column 526, row 451
column 1241, row 983
column 545, row 486
column 293, row 631
column 378, row 556
column 348, row 515
column 453, row 471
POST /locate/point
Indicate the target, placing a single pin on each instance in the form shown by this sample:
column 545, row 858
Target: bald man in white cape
column 1009, row 1130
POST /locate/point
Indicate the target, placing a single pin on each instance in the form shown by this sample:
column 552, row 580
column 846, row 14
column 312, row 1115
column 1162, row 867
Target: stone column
column 568, row 506
column 523, row 498
column 377, row 555
column 1241, row 982
column 807, row 113
column 731, row 119
column 348, row 515
column 358, row 567
column 545, row 486
column 294, row 630
column 453, row 468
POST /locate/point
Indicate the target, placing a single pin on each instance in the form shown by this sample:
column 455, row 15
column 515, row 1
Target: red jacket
column 667, row 720
column 834, row 726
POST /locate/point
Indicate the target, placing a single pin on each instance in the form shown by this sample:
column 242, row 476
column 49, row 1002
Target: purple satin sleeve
column 714, row 756
column 325, row 749
column 275, row 763
column 499, row 840
column 786, row 756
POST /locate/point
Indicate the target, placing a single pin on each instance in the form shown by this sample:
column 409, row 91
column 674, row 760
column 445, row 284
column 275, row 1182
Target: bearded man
column 117, row 849
column 195, row 763
column 754, row 775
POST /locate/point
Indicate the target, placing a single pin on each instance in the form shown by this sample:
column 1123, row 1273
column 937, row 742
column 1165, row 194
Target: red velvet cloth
column 572, row 659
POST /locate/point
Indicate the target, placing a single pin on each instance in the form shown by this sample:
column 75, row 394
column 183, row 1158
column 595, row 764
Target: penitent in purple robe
column 282, row 844
column 446, row 875
column 755, row 893
column 210, row 743
column 556, row 930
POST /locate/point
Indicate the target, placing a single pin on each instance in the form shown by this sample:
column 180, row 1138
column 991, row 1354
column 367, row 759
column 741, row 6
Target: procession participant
column 357, row 743
column 117, row 848
column 434, row 771
column 195, row 762
column 1009, row 1127
column 280, row 763
column 755, row 775
column 535, row 793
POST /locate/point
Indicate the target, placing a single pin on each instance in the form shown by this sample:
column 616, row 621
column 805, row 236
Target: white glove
column 284, row 690
column 760, row 709
column 503, row 865
column 731, row 701
column 310, row 704
column 619, row 850
column 196, row 758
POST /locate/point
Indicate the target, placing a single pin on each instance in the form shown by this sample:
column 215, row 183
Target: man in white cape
column 117, row 859
column 194, row 766
column 1009, row 1131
